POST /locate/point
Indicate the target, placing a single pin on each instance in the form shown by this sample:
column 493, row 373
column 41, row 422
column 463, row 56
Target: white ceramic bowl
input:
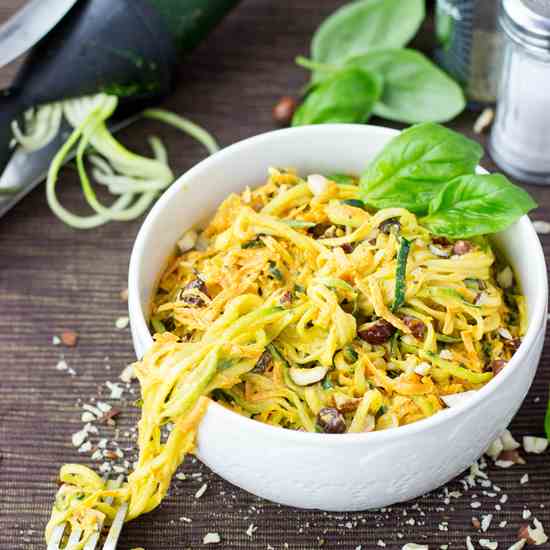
column 348, row 471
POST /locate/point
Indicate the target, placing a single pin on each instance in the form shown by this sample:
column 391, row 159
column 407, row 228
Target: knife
column 18, row 35
column 31, row 23
column 26, row 170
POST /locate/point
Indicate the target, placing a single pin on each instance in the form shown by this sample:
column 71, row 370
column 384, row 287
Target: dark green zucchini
column 189, row 21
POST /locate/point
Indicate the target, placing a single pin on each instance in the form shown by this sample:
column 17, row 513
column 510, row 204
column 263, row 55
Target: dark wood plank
column 53, row 277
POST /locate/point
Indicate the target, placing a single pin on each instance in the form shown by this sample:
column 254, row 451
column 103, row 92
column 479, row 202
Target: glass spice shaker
column 520, row 137
column 468, row 46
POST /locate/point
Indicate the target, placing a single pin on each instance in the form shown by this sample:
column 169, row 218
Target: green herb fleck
column 254, row 243
column 354, row 202
column 158, row 326
column 447, row 339
column 350, row 355
column 274, row 271
column 400, row 274
column 225, row 363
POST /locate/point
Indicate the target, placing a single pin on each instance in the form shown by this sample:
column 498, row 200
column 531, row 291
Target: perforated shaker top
column 527, row 22
column 539, row 7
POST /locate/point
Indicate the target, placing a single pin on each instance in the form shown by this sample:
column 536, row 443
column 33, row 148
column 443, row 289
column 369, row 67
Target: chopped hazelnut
column 283, row 111
column 69, row 338
column 523, row 533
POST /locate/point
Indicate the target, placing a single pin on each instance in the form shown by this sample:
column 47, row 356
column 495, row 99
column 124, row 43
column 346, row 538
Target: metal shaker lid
column 527, row 22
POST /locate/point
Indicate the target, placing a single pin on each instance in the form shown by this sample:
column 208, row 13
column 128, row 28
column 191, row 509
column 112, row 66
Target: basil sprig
column 415, row 165
column 347, row 95
column 358, row 27
column 369, row 35
column 415, row 90
column 475, row 205
column 430, row 170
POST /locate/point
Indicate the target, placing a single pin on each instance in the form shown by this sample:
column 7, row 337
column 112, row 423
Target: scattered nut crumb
column 536, row 445
column 211, row 538
column 201, row 491
column 524, row 479
column 124, row 295
column 541, row 227
column 127, row 375
column 512, row 456
column 108, row 417
column 484, row 120
column 115, row 389
column 62, row 365
column 185, row 519
column 536, row 533
column 486, row 522
column 69, row 338
column 87, row 416
column 523, row 533
column 79, row 437
column 122, row 322
column 283, row 111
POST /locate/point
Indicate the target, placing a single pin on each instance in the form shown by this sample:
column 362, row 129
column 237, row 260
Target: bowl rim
column 141, row 331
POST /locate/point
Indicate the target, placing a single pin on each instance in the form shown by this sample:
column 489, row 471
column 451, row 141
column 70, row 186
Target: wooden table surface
column 54, row 278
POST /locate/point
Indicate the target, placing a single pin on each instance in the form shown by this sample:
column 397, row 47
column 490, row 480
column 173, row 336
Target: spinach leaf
column 415, row 90
column 346, row 96
column 475, row 205
column 361, row 26
column 413, row 167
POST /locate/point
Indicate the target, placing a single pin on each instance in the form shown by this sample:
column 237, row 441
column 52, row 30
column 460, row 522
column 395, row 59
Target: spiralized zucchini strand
column 137, row 180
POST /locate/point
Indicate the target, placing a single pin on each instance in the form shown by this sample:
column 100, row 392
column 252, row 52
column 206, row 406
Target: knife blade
column 26, row 170
column 27, row 26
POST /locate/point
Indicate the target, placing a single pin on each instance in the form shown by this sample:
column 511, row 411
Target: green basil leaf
column 415, row 90
column 413, row 167
column 476, row 205
column 346, row 96
column 361, row 26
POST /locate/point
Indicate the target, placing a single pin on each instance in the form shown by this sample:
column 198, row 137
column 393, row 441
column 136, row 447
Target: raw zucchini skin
column 189, row 21
column 128, row 48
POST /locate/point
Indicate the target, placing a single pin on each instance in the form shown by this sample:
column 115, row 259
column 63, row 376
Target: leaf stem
column 311, row 65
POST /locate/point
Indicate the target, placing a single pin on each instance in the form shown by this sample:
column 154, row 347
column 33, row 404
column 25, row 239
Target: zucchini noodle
column 307, row 312
column 136, row 180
